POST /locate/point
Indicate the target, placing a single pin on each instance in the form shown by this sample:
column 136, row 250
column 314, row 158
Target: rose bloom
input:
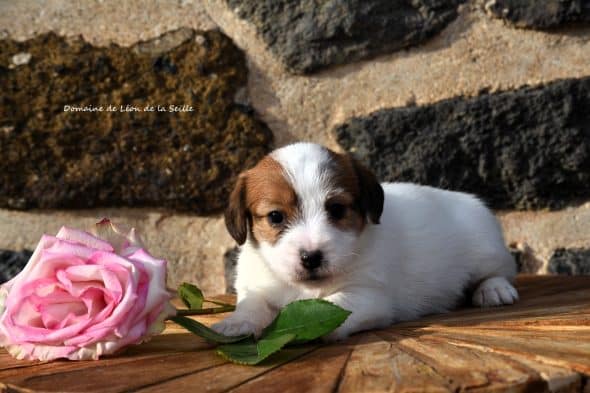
column 82, row 296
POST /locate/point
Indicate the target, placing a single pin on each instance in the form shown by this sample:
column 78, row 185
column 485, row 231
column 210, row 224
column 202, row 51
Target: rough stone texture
column 540, row 14
column 537, row 234
column 185, row 160
column 524, row 149
column 526, row 261
column 472, row 53
column 571, row 262
column 101, row 22
column 12, row 262
column 194, row 246
column 312, row 34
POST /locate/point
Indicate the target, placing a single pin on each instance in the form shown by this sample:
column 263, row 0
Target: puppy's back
column 434, row 244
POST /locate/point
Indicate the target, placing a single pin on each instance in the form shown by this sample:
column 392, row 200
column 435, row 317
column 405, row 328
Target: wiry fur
column 430, row 247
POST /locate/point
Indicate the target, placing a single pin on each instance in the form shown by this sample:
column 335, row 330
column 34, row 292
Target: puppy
column 316, row 224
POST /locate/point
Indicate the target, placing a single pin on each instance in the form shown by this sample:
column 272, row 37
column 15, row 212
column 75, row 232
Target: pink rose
column 83, row 296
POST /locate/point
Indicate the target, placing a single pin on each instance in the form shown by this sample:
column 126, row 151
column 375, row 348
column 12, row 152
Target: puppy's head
column 303, row 207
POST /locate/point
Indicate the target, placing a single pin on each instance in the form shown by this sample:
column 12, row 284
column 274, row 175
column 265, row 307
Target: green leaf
column 201, row 330
column 307, row 320
column 191, row 296
column 250, row 352
column 298, row 322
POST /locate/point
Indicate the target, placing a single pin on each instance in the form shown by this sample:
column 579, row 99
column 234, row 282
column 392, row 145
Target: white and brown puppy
column 316, row 224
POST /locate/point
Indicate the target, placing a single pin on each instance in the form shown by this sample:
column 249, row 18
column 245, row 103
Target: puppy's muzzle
column 311, row 260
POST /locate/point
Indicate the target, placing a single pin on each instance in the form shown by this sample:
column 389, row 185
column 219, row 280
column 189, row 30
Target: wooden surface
column 542, row 344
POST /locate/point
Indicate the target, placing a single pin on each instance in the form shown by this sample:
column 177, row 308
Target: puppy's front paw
column 495, row 291
column 237, row 326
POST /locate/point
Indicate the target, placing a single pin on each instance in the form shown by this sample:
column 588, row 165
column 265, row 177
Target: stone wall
column 489, row 97
column 158, row 126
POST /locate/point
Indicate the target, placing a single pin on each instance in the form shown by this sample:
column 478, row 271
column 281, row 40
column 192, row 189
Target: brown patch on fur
column 236, row 214
column 267, row 190
column 360, row 192
column 264, row 189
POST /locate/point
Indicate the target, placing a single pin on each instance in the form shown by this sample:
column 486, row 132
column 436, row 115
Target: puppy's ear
column 236, row 213
column 371, row 192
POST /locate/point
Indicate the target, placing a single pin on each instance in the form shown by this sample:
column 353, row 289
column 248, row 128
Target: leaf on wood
column 191, row 296
column 252, row 352
column 298, row 322
column 307, row 320
column 209, row 334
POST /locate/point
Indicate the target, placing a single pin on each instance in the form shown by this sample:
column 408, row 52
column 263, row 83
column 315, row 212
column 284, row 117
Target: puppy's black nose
column 311, row 259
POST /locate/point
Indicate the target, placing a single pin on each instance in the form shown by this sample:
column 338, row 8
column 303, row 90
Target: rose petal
column 122, row 312
column 47, row 252
column 156, row 270
column 28, row 351
column 119, row 236
column 24, row 322
column 83, row 238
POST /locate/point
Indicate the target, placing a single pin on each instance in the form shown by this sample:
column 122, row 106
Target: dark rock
column 571, row 262
column 528, row 148
column 230, row 262
column 526, row 261
column 541, row 14
column 179, row 158
column 12, row 262
column 307, row 35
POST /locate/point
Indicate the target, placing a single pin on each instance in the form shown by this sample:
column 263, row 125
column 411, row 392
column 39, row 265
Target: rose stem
column 216, row 302
column 203, row 311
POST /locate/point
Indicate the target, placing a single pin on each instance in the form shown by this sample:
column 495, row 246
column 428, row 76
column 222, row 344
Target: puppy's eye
column 336, row 211
column 275, row 217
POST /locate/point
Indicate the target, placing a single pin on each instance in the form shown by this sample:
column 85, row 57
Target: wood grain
column 469, row 369
column 541, row 344
column 226, row 376
column 319, row 371
column 378, row 365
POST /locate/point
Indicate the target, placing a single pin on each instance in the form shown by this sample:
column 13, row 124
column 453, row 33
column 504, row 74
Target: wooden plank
column 533, row 285
column 558, row 379
column 7, row 388
column 562, row 306
column 467, row 368
column 556, row 349
column 39, row 368
column 539, row 295
column 8, row 362
column 158, row 346
column 578, row 320
column 226, row 376
column 104, row 377
column 579, row 336
column 318, row 372
column 540, row 344
column 180, row 341
column 376, row 365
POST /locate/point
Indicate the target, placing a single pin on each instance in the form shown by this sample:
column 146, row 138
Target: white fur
column 430, row 246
